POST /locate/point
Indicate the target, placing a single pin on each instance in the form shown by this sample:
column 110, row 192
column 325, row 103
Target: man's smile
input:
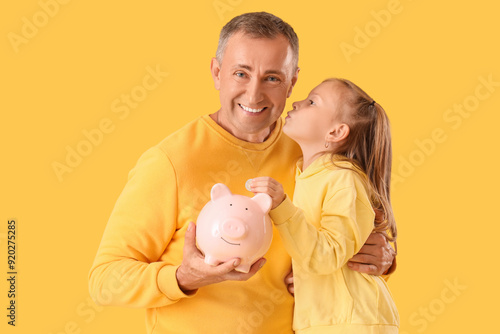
column 250, row 109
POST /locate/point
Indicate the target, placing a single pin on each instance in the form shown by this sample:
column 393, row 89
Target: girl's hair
column 368, row 147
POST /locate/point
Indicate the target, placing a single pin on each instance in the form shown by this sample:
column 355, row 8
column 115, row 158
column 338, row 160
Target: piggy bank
column 232, row 226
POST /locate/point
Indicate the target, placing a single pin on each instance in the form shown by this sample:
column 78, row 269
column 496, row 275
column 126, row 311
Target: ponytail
column 380, row 165
column 368, row 147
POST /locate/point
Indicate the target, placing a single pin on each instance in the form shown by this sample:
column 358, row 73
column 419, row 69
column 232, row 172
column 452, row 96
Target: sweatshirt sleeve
column 126, row 270
column 346, row 223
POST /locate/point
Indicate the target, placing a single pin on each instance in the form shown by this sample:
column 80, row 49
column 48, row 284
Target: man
column 148, row 257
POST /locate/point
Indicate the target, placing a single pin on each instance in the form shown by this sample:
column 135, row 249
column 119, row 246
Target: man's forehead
column 245, row 52
column 242, row 38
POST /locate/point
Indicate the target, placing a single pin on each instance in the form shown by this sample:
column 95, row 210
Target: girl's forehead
column 329, row 90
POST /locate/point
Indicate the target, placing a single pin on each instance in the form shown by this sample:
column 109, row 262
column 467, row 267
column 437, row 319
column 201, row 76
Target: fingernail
column 248, row 185
column 349, row 264
column 236, row 262
column 190, row 227
column 262, row 263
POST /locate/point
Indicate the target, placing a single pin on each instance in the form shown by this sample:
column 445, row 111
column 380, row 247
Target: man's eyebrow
column 243, row 66
column 249, row 68
column 274, row 72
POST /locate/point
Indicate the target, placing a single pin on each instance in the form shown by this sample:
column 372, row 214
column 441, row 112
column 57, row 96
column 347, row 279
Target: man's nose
column 254, row 92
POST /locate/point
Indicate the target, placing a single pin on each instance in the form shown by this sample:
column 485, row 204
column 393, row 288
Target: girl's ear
column 338, row 133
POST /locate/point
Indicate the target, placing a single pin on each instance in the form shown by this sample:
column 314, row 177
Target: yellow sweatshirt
column 334, row 220
column 142, row 244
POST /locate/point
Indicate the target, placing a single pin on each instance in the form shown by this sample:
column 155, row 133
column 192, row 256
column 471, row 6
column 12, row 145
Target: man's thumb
column 190, row 237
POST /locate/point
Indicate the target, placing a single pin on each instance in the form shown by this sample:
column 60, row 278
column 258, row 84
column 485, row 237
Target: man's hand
column 375, row 257
column 270, row 186
column 289, row 282
column 194, row 273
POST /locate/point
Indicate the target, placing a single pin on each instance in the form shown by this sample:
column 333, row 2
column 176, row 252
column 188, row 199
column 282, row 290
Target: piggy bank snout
column 234, row 229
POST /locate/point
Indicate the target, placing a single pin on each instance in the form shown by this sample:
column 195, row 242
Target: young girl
column 341, row 182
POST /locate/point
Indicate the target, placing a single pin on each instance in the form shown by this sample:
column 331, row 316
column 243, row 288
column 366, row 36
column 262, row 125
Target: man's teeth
column 250, row 109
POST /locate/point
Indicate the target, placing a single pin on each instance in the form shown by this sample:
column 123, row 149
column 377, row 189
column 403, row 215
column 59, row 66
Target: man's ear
column 215, row 69
column 294, row 81
column 338, row 133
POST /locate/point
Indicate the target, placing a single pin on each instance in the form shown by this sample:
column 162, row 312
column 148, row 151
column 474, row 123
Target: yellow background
column 62, row 80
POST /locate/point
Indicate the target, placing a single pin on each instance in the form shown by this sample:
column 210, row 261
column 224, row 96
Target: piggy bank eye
column 246, row 208
column 230, row 204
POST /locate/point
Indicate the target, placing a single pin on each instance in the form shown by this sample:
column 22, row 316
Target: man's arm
column 127, row 269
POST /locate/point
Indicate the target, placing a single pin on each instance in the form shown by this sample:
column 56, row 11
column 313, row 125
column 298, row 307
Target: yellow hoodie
column 334, row 220
column 142, row 244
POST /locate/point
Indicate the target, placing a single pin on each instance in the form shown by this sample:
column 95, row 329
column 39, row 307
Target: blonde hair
column 368, row 147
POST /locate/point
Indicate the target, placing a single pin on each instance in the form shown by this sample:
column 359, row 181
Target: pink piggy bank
column 232, row 226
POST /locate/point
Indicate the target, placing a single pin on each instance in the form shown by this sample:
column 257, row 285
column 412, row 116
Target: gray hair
column 258, row 25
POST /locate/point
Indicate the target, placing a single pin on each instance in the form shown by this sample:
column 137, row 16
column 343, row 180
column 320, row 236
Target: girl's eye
column 311, row 102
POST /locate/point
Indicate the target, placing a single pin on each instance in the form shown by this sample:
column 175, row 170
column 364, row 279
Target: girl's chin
column 285, row 130
column 289, row 134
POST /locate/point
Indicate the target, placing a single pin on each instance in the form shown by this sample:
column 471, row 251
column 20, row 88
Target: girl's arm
column 346, row 222
column 327, row 248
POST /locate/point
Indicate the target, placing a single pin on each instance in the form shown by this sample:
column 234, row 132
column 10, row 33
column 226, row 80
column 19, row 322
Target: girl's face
column 312, row 119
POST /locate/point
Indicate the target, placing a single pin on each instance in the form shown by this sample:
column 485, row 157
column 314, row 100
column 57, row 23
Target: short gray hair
column 258, row 25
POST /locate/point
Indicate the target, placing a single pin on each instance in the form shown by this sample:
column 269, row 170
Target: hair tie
column 373, row 103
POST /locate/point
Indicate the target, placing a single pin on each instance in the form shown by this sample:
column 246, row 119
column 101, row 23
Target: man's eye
column 240, row 74
column 273, row 79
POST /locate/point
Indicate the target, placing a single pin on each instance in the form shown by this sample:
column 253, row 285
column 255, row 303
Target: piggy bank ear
column 264, row 201
column 219, row 190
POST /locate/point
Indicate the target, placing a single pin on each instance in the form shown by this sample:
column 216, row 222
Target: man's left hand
column 376, row 257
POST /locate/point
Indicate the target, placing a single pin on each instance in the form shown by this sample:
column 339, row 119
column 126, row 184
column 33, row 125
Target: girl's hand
column 270, row 186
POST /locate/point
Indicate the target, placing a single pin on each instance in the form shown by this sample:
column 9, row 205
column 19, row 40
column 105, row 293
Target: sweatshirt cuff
column 283, row 212
column 168, row 285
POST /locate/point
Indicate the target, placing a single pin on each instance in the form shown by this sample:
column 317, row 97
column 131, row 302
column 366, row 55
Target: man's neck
column 258, row 137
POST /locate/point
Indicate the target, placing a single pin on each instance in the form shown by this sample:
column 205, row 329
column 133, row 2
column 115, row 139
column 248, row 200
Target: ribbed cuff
column 283, row 212
column 167, row 283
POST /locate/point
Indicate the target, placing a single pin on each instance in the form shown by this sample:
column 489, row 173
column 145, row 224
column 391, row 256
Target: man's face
column 254, row 81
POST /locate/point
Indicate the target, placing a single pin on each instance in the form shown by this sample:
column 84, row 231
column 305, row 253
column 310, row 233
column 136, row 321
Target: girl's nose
column 295, row 105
